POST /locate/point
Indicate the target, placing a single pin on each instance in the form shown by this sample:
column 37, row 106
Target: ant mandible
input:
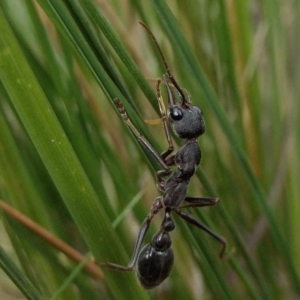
column 155, row 260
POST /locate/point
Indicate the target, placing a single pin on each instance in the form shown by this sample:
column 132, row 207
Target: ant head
column 186, row 119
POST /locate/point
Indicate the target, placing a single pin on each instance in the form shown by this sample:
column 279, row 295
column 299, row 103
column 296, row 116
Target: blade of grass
column 70, row 278
column 211, row 265
column 68, row 27
column 83, row 22
column 95, row 14
column 60, row 160
column 18, row 188
column 20, row 280
column 240, row 244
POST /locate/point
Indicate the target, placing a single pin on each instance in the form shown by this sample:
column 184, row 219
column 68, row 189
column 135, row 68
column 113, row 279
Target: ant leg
column 165, row 156
column 200, row 202
column 169, row 160
column 141, row 139
column 164, row 117
column 192, row 220
column 160, row 180
column 156, row 207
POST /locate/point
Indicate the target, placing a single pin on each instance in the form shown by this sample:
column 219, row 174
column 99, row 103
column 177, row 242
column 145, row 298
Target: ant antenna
column 172, row 79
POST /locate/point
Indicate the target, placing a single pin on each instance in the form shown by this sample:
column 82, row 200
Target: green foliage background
column 68, row 162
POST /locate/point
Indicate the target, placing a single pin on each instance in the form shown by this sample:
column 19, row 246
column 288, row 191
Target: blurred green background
column 69, row 163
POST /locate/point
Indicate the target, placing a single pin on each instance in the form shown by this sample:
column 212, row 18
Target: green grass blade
column 21, row 281
column 59, row 158
column 111, row 36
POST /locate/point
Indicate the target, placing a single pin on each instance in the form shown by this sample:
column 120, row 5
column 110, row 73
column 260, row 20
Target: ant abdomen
column 154, row 266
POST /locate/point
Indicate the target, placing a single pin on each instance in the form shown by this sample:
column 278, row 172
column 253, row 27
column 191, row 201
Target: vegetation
column 69, row 163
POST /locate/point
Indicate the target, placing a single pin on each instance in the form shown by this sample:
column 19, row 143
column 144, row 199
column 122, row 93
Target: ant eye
column 176, row 113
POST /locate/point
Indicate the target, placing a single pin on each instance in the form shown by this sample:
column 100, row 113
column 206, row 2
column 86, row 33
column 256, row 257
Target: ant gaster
column 155, row 260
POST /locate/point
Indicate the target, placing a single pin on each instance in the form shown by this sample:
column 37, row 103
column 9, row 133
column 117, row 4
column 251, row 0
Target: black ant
column 155, row 260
